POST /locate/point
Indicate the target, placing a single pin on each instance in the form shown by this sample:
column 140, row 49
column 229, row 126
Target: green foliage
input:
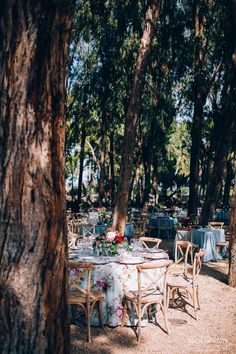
column 102, row 56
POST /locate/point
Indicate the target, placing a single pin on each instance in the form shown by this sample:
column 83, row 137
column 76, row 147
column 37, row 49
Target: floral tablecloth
column 113, row 279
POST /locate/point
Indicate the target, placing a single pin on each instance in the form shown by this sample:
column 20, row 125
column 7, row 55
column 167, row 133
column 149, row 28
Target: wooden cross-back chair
column 83, row 296
column 183, row 245
column 150, row 242
column 182, row 250
column 216, row 224
column 148, row 295
column 187, row 282
column 73, row 226
column 72, row 239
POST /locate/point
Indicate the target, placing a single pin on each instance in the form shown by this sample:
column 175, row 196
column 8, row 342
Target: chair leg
column 165, row 320
column 195, row 302
column 173, row 296
column 198, row 303
column 88, row 326
column 150, row 308
column 191, row 255
column 100, row 313
column 167, row 298
column 124, row 313
column 139, row 325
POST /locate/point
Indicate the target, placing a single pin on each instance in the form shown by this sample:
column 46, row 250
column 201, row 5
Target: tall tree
column 33, row 300
column 227, row 131
column 232, row 258
column 199, row 102
column 232, row 246
column 121, row 207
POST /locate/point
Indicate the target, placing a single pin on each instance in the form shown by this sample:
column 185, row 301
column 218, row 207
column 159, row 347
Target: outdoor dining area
column 132, row 279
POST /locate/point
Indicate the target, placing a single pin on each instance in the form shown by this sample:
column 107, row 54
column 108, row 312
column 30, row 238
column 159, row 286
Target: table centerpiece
column 108, row 244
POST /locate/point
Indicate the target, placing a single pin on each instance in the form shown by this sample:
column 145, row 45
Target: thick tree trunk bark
column 81, row 161
column 33, row 252
column 121, row 207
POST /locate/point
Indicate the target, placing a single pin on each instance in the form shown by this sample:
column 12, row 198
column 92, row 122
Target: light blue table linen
column 207, row 238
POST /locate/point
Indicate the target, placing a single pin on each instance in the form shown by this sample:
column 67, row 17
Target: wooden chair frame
column 150, row 240
column 190, row 283
column 144, row 297
column 184, row 247
column 216, row 224
column 84, row 297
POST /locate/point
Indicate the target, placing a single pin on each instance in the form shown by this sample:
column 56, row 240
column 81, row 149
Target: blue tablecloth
column 207, row 238
column 129, row 229
column 163, row 222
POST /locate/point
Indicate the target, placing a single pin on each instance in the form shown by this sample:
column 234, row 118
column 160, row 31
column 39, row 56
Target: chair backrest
column 78, row 271
column 150, row 242
column 197, row 263
column 216, row 224
column 72, row 239
column 183, row 248
column 147, row 281
column 73, row 225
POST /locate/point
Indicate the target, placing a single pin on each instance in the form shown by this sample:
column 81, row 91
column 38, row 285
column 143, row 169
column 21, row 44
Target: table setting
column 115, row 271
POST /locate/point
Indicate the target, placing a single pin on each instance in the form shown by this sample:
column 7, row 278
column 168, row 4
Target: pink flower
column 119, row 310
column 110, row 236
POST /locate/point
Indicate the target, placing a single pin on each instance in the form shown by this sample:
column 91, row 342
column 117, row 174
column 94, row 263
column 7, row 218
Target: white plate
column 94, row 260
column 151, row 250
column 132, row 260
column 156, row 256
column 73, row 255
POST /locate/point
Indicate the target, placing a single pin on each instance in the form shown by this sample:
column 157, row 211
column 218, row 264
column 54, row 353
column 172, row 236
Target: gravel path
column 214, row 332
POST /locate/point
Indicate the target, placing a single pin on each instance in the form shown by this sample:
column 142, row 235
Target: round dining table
column 206, row 238
column 112, row 276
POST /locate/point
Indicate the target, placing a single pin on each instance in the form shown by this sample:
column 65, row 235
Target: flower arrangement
column 108, row 244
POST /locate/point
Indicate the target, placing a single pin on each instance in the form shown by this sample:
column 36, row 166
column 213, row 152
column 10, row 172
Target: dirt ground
column 214, row 332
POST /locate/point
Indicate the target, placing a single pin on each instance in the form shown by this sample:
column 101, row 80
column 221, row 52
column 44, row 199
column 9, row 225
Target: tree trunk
column 121, row 207
column 33, row 252
column 232, row 254
column 225, row 137
column 101, row 182
column 81, row 161
column 112, row 167
column 232, row 246
column 199, row 102
column 228, row 181
column 215, row 184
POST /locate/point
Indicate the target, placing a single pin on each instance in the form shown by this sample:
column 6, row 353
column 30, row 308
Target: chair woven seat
column 179, row 281
column 76, row 297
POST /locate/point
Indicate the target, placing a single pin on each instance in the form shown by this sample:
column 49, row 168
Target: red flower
column 119, row 238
